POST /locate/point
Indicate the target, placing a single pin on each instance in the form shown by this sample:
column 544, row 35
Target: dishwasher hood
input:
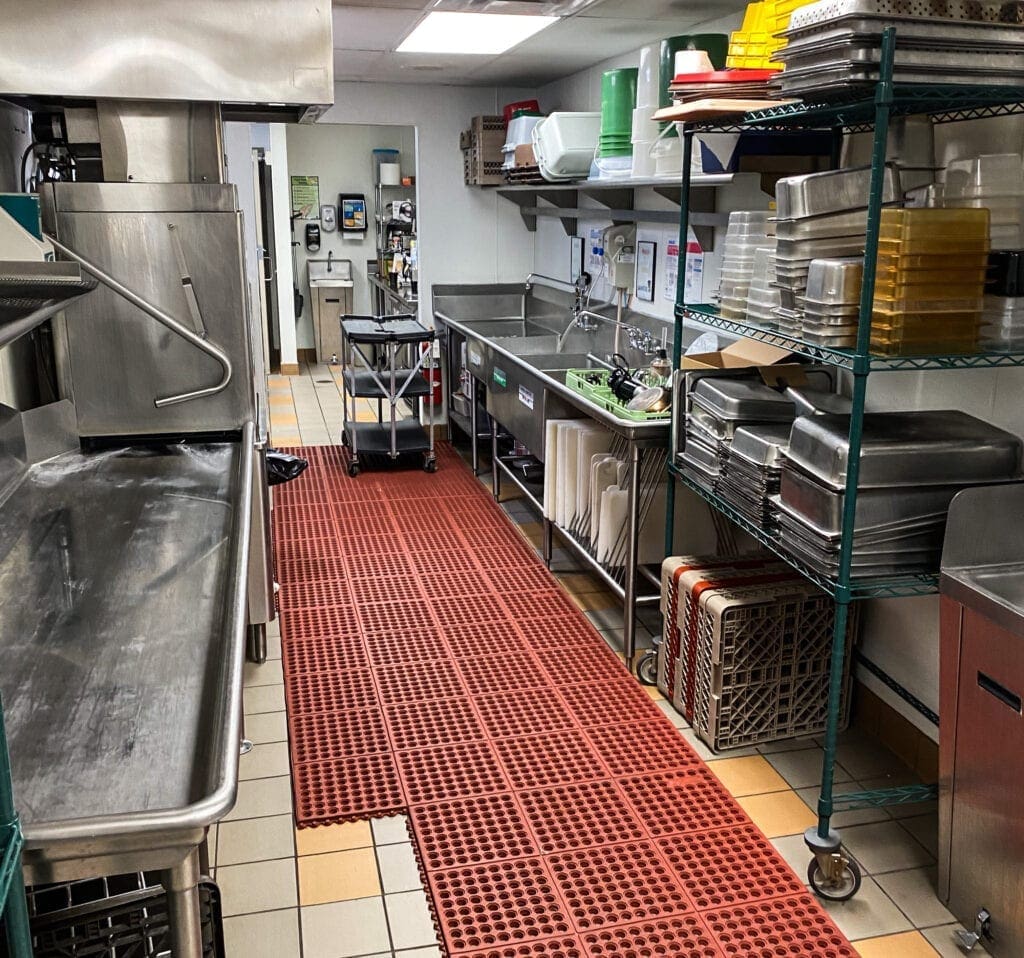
column 261, row 59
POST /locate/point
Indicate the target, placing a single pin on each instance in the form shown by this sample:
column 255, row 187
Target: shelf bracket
column 564, row 200
column 524, row 200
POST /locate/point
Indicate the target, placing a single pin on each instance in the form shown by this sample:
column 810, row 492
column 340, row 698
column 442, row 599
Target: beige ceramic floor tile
column 338, row 876
column 794, row 850
column 262, row 797
column 269, row 673
column 911, row 944
column 868, row 914
column 255, row 840
column 914, row 893
column 410, row 920
column 748, row 776
column 390, row 831
column 399, row 870
column 333, row 838
column 272, row 934
column 266, row 760
column 266, row 727
column 595, row 601
column 925, row 828
column 345, row 929
column 778, row 813
column 260, row 886
column 802, row 768
column 787, row 745
column 674, row 717
column 263, row 698
column 885, row 847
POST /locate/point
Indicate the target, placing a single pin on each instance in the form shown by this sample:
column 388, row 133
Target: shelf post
column 15, row 910
column 883, row 106
column 677, row 338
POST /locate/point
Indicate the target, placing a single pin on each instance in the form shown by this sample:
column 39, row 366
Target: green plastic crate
column 602, row 395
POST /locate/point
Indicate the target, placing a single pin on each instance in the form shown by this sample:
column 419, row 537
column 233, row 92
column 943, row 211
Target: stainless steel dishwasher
column 981, row 738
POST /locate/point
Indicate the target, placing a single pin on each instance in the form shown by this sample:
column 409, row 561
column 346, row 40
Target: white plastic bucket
column 648, row 80
column 390, row 174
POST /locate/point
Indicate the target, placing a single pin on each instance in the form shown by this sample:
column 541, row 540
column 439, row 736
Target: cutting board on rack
column 713, row 107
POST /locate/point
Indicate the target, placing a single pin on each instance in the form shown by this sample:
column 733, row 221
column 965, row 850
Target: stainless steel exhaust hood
column 263, row 58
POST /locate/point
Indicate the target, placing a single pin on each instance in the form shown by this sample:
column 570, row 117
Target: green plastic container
column 618, row 100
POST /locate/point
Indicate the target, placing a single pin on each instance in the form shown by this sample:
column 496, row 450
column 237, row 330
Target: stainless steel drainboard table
column 122, row 623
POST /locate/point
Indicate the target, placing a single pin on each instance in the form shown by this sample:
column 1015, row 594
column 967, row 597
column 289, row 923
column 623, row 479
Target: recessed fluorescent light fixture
column 483, row 33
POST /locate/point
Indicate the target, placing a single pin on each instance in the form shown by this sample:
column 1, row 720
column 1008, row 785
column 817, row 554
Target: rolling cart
column 382, row 358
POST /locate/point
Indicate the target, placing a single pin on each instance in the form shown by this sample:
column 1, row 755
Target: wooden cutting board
column 714, row 107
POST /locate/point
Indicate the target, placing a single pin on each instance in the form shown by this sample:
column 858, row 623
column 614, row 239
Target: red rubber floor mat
column 433, row 666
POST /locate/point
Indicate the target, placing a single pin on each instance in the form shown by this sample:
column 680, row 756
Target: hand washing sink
column 339, row 274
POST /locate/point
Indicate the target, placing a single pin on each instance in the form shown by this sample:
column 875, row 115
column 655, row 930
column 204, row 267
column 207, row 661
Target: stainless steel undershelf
column 122, row 623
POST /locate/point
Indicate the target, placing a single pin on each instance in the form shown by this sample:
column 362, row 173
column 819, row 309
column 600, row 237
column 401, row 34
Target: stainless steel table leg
column 549, row 541
column 181, row 885
column 495, row 471
column 473, row 427
column 632, row 555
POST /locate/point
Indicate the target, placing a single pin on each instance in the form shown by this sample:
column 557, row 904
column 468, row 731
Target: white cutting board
column 614, row 512
column 551, row 466
column 594, row 440
column 604, row 472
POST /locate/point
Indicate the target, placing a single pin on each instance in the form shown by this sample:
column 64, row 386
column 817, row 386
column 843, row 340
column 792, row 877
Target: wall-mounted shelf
column 619, row 199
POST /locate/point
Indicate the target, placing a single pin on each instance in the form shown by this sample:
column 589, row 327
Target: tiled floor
column 344, row 891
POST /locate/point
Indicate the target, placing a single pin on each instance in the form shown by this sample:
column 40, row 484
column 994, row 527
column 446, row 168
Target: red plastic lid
column 727, row 76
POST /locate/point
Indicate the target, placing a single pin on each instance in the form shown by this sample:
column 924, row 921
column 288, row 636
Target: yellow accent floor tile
column 338, row 876
column 653, row 692
column 283, row 398
column 910, row 944
column 333, row 838
column 749, row 776
column 577, row 583
column 286, row 439
column 777, row 813
column 283, row 419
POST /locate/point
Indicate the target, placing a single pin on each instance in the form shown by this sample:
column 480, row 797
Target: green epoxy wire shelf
column 867, row 108
column 12, row 891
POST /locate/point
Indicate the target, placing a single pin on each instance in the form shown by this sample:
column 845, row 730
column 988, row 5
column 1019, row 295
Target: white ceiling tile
column 360, row 28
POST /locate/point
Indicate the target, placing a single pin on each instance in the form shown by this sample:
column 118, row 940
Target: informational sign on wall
column 693, row 289
column 646, row 255
column 306, row 197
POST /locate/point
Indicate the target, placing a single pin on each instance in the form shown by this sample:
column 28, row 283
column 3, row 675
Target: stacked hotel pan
column 1002, row 319
column 911, row 466
column 820, row 215
column 751, row 471
column 718, row 407
column 835, row 43
column 832, row 303
column 763, row 297
column 747, row 231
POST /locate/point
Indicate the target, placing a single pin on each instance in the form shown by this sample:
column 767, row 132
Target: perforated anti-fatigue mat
column 434, row 667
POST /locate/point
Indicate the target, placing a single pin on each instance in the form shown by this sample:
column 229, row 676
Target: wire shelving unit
column 865, row 109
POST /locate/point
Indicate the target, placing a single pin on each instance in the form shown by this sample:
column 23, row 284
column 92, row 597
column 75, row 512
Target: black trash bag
column 282, row 467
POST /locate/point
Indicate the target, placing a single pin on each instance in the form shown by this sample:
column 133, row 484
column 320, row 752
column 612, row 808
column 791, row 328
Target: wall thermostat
column 328, row 218
column 313, row 237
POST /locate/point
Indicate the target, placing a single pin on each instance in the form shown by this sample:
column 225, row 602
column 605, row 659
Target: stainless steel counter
column 122, row 623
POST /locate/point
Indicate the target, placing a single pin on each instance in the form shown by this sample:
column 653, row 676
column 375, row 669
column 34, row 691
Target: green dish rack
column 601, row 394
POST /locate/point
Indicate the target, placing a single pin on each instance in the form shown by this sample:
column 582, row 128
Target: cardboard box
column 524, row 156
column 772, row 362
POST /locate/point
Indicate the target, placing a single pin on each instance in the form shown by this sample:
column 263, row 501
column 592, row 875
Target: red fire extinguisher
column 432, row 374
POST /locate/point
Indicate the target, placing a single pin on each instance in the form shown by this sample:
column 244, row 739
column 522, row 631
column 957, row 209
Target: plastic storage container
column 564, row 144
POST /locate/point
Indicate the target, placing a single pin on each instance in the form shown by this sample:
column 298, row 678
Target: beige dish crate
column 482, row 157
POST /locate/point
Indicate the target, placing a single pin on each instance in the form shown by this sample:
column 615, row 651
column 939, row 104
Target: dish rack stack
column 746, row 649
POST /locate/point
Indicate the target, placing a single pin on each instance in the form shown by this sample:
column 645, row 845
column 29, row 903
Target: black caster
column 843, row 882
column 353, row 469
column 430, row 465
column 647, row 668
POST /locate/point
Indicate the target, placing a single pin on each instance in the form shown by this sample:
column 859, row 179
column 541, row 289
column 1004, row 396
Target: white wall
column 340, row 155
column 582, row 91
column 466, row 234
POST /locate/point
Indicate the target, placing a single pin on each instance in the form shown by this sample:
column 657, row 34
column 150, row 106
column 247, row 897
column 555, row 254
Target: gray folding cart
column 383, row 358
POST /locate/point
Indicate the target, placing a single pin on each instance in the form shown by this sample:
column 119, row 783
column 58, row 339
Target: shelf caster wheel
column 430, row 465
column 647, row 668
column 839, row 881
column 353, row 469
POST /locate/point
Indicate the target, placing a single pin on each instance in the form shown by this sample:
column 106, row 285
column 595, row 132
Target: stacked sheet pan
column 835, row 43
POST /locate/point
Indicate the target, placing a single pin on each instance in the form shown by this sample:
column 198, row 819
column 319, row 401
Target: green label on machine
column 500, row 378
